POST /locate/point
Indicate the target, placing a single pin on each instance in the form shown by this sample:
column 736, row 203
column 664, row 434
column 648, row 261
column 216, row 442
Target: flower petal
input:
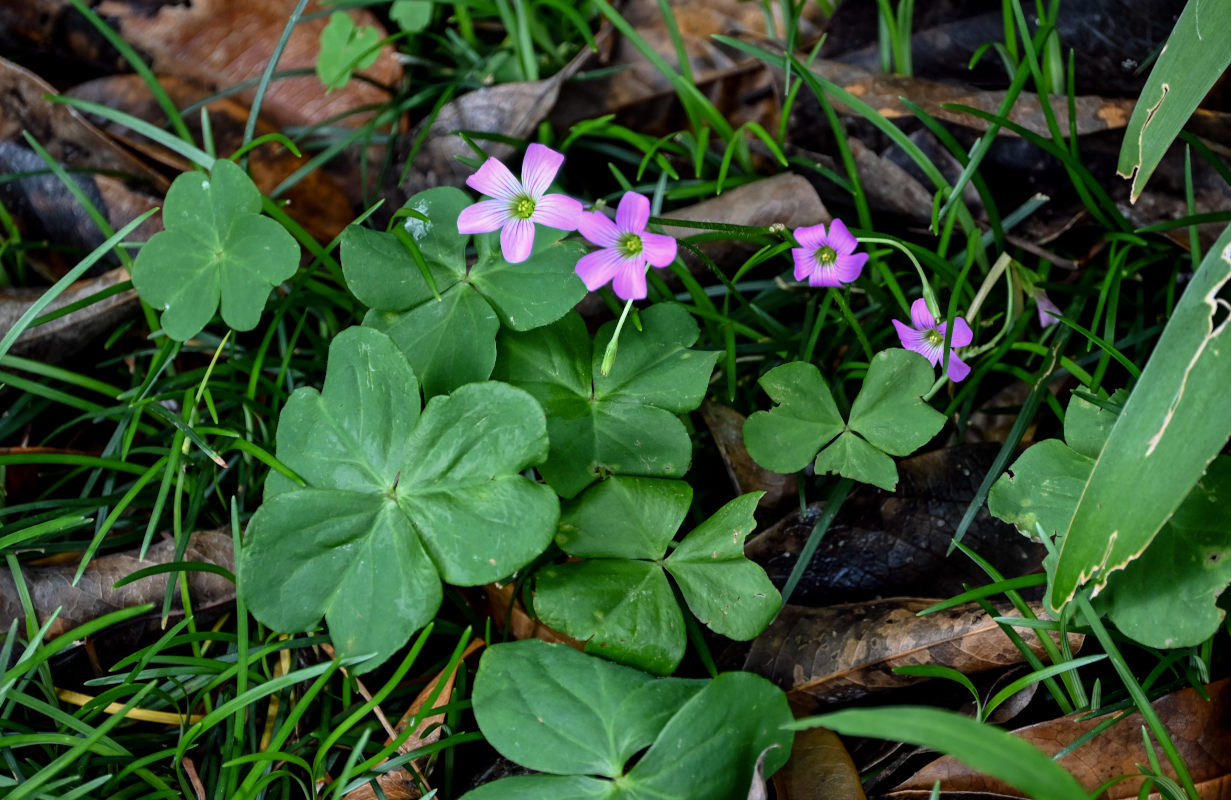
column 805, row 261
column 539, row 169
column 912, row 339
column 598, row 267
column 516, row 240
column 633, row 213
column 962, row 335
column 494, row 180
column 484, row 216
column 825, row 276
column 598, row 228
column 848, row 267
column 658, row 248
column 958, row 369
column 629, row 283
column 1049, row 312
column 840, row 238
column 921, row 317
column 810, row 237
column 557, row 211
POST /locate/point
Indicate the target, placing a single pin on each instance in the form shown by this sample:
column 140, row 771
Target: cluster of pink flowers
column 625, row 247
column 826, row 255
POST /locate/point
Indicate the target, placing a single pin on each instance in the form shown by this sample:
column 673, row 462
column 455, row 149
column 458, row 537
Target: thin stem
column 610, row 353
column 928, row 296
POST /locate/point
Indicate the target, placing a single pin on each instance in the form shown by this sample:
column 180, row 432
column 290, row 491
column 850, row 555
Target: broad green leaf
column 854, row 458
column 980, row 746
column 620, row 603
column 545, row 787
column 704, row 737
column 1086, row 426
column 1197, row 52
column 624, row 518
column 411, row 16
column 553, row 709
column 709, row 748
column 889, row 411
column 623, row 423
column 395, row 499
column 1041, row 488
column 216, row 248
column 450, row 342
column 786, row 438
column 1168, row 597
column 624, row 610
column 449, row 334
column 728, row 593
column 1176, row 420
column 345, row 47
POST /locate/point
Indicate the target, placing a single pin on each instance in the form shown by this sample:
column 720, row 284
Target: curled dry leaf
column 845, row 652
column 726, row 426
column 52, row 587
column 1201, row 731
column 60, row 338
column 220, row 43
column 884, row 544
column 819, row 768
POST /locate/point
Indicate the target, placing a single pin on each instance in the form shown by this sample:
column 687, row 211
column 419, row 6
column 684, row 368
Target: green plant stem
column 610, row 353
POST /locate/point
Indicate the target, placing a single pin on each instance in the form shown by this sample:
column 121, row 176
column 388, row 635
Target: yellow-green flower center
column 629, row 245
column 523, row 207
column 934, row 337
column 826, row 256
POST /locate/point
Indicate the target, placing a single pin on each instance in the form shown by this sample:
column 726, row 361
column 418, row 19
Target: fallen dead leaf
column 845, row 652
column 60, row 338
column 1201, row 731
column 726, row 426
column 819, row 769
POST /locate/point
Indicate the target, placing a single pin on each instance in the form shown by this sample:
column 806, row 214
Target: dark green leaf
column 806, row 418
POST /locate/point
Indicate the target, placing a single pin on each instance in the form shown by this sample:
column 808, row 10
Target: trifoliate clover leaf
column 619, row 601
column 345, row 47
column 411, row 16
column 395, row 501
column 622, row 423
column 889, row 417
column 447, row 327
column 216, row 246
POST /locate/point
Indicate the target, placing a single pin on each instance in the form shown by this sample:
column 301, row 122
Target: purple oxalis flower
column 518, row 205
column 927, row 338
column 828, row 257
column 626, row 248
column 1049, row 312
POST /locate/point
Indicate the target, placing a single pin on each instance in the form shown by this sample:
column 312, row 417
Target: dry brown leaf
column 316, row 202
column 400, row 784
column 845, row 652
column 819, row 769
column 60, row 338
column 726, row 426
column 1201, row 731
column 221, row 43
column 52, row 587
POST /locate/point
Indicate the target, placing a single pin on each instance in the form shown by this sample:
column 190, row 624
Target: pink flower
column 626, row 248
column 927, row 339
column 519, row 204
column 827, row 258
column 1049, row 312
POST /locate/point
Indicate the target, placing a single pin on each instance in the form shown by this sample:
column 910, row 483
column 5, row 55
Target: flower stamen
column 629, row 245
column 522, row 207
column 826, row 256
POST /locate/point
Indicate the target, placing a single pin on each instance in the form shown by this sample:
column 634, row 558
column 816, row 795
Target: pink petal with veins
column 516, row 240
column 629, row 283
column 633, row 213
column 484, row 216
column 811, row 238
column 595, row 226
column 599, row 267
column 840, row 238
column 920, row 315
column 494, row 180
column 539, row 169
column 557, row 211
column 658, row 249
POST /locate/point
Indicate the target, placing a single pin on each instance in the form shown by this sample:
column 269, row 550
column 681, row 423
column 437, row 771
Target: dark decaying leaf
column 60, row 338
column 726, row 426
column 885, row 543
column 52, row 587
column 845, row 652
column 1201, row 731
